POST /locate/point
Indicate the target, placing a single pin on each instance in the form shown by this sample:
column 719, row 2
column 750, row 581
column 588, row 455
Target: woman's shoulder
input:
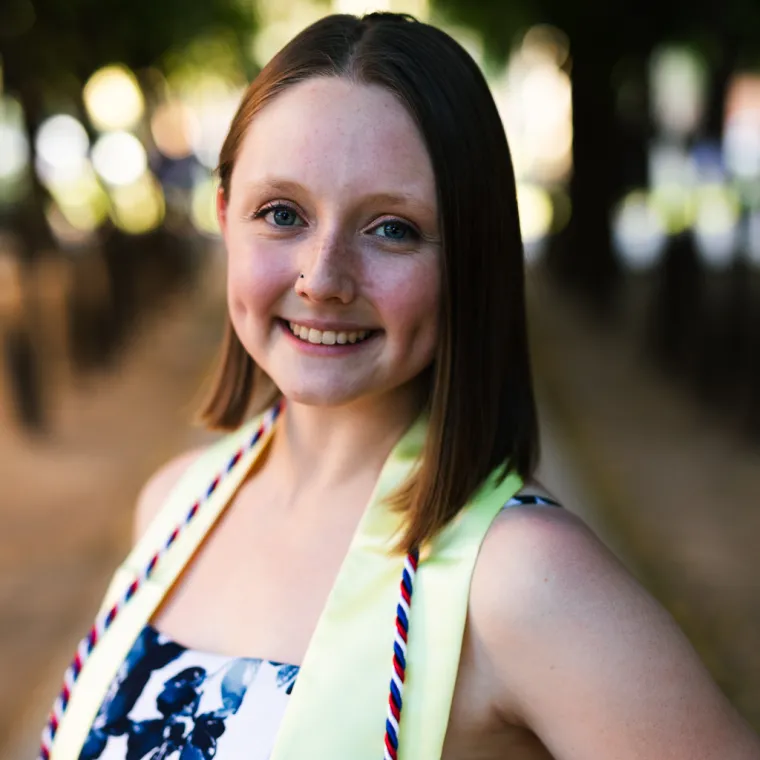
column 582, row 654
column 157, row 488
column 543, row 566
column 188, row 475
column 535, row 557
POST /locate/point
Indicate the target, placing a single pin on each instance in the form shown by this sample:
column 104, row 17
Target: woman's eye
column 279, row 216
column 396, row 230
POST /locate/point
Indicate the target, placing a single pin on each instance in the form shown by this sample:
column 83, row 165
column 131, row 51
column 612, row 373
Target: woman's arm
column 585, row 658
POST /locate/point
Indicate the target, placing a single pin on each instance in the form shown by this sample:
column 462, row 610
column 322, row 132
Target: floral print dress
column 168, row 702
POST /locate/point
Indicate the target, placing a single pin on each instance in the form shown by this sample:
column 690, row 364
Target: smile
column 327, row 337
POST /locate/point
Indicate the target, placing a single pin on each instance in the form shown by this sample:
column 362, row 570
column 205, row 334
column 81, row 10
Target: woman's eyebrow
column 398, row 199
column 288, row 186
column 276, row 184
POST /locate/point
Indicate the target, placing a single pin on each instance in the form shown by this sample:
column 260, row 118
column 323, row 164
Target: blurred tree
column 49, row 48
column 56, row 43
column 602, row 35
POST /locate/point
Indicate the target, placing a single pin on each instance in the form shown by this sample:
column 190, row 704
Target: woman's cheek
column 238, row 284
column 414, row 298
column 239, row 257
column 255, row 276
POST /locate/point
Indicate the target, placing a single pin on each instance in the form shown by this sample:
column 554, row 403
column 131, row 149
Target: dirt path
column 67, row 499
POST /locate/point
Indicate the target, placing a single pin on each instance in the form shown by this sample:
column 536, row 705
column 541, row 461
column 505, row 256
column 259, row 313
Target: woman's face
column 331, row 228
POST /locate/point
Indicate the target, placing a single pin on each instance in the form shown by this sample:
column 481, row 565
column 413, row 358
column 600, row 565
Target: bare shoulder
column 158, row 487
column 538, row 561
column 584, row 656
column 541, row 551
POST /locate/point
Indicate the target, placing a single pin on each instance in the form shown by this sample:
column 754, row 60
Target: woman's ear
column 221, row 211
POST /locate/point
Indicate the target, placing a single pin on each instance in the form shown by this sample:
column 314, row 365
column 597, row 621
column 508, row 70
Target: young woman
column 366, row 568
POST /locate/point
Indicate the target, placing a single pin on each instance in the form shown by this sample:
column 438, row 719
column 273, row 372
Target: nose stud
column 301, row 276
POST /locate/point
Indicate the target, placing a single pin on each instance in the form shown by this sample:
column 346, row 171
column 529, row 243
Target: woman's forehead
column 335, row 133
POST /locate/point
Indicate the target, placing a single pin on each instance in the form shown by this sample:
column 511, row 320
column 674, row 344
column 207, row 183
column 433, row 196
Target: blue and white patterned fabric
column 168, row 702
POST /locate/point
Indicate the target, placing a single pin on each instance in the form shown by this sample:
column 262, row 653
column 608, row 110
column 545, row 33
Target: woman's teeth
column 327, row 337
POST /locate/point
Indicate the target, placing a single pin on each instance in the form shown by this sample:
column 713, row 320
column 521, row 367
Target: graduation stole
column 340, row 703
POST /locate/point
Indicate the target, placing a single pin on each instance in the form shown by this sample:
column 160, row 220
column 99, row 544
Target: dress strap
column 522, row 499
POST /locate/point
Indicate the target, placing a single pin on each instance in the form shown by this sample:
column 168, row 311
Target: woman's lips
column 329, row 339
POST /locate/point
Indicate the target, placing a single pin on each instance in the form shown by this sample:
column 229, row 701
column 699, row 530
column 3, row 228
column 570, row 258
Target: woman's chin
column 321, row 396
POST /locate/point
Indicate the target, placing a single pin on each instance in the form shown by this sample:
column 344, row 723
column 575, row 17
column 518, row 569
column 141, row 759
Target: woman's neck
column 318, row 448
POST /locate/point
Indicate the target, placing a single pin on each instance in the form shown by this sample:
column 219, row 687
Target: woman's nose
column 328, row 272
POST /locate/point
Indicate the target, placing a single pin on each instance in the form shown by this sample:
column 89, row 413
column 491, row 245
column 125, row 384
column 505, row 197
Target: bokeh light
column 741, row 136
column 119, row 158
column 203, row 100
column 14, row 151
column 418, row 8
column 672, row 177
column 534, row 98
column 173, row 127
column 81, row 200
column 547, row 42
column 203, row 206
column 716, row 224
column 67, row 235
column 139, row 207
column 14, row 146
column 638, row 231
column 536, row 216
column 213, row 116
column 678, row 82
column 279, row 23
column 536, row 212
column 61, row 146
column 113, row 98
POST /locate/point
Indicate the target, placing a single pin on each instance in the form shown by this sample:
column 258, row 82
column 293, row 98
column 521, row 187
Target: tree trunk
column 589, row 264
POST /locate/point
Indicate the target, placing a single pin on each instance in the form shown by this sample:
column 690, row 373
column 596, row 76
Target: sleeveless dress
column 134, row 694
column 168, row 701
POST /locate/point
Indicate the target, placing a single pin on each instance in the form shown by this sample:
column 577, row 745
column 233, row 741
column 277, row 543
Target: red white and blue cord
column 399, row 656
column 104, row 622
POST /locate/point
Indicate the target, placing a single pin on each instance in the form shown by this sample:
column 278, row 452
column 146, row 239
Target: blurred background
column 635, row 132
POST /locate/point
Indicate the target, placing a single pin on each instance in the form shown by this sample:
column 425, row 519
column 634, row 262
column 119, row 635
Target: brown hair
column 481, row 405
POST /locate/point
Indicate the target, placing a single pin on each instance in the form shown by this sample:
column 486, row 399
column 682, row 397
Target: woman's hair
column 481, row 408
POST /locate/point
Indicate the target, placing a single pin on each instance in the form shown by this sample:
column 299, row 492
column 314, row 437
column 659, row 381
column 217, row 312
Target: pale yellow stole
column 339, row 705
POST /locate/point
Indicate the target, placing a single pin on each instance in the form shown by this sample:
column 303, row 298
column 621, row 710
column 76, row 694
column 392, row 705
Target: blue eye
column 282, row 216
column 396, row 230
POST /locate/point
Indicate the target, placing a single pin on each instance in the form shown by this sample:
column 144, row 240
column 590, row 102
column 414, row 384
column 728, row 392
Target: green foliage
column 497, row 21
column 609, row 26
column 51, row 39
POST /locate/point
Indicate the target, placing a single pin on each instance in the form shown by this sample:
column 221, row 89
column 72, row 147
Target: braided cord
column 398, row 675
column 106, row 619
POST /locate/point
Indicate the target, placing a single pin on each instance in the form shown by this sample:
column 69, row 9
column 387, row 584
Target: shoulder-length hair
column 482, row 414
